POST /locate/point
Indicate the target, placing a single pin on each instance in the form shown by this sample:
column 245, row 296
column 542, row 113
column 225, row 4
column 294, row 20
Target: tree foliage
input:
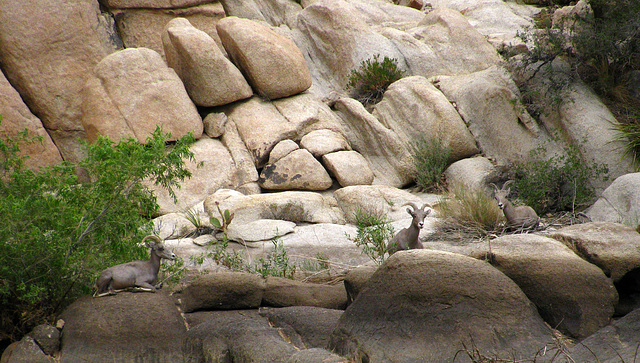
column 57, row 234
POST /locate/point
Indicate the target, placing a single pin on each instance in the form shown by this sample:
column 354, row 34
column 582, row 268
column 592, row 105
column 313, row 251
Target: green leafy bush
column 559, row 183
column 57, row 234
column 373, row 234
column 369, row 82
column 430, row 158
column 602, row 49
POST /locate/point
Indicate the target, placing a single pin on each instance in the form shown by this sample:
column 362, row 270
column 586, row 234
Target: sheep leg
column 144, row 286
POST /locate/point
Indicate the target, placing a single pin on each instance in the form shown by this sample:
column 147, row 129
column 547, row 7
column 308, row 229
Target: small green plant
column 430, row 158
column 233, row 260
column 222, row 224
column 276, row 262
column 319, row 263
column 469, row 209
column 194, row 218
column 369, row 82
column 629, row 134
column 558, row 183
column 373, row 234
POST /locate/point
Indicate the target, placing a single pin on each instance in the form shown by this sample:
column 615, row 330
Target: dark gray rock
column 236, row 338
column 281, row 292
column 423, row 305
column 25, row 350
column 618, row 342
column 312, row 324
column 141, row 327
column 47, row 337
column 571, row 294
column 220, row 291
column 316, row 355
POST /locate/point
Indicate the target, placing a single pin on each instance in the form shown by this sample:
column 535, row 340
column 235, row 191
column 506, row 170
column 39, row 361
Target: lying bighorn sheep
column 407, row 238
column 517, row 217
column 135, row 274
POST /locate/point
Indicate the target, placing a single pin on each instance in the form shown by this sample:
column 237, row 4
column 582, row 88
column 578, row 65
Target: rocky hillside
column 262, row 85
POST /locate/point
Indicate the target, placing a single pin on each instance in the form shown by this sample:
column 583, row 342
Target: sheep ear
column 411, row 212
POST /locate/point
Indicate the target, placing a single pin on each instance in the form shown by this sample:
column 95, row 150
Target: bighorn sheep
column 517, row 217
column 135, row 274
column 407, row 238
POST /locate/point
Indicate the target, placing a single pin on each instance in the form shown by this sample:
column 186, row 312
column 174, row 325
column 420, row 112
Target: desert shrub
column 276, row 263
column 470, row 209
column 373, row 233
column 629, row 134
column 602, row 49
column 558, row 183
column 58, row 234
column 369, row 82
column 430, row 158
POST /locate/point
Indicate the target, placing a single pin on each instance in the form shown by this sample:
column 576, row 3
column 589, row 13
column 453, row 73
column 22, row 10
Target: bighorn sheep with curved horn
column 517, row 217
column 407, row 238
column 135, row 274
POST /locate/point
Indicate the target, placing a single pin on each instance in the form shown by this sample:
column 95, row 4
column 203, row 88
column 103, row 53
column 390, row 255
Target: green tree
column 57, row 234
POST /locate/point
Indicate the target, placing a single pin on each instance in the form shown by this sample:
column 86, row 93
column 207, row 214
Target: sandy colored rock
column 217, row 171
column 132, row 93
column 349, row 168
column 412, row 287
column 298, row 170
column 272, row 63
column 613, row 247
column 144, row 27
column 321, row 142
column 413, row 107
column 16, row 117
column 50, row 78
column 208, row 76
column 620, row 202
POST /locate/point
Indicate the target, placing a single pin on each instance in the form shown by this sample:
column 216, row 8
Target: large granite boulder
column 272, row 63
column 572, row 295
column 131, row 93
column 488, row 101
column 48, row 67
column 209, row 77
column 413, row 108
column 385, row 151
column 613, row 247
column 620, row 202
column 124, row 327
column 16, row 117
column 144, row 26
column 423, row 305
column 295, row 206
column 222, row 291
column 298, row 170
